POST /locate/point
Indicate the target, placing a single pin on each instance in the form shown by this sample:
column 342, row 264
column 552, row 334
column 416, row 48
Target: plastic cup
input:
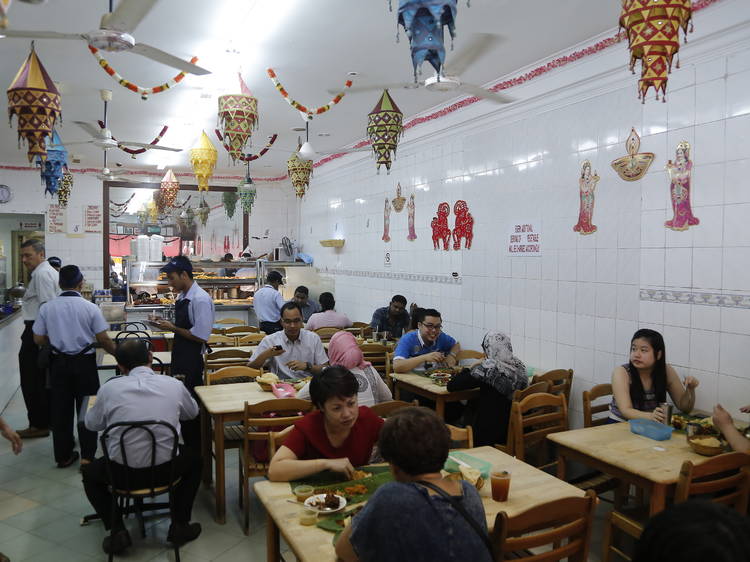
column 308, row 516
column 302, row 492
column 500, row 481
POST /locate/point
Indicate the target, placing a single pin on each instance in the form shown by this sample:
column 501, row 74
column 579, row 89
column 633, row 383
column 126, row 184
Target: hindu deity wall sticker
column 464, row 225
column 679, row 189
column 635, row 165
column 386, row 221
column 410, row 209
column 586, row 185
column 398, row 201
column 440, row 229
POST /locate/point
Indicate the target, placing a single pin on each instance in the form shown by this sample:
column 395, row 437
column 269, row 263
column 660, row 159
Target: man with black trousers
column 71, row 325
column 142, row 395
column 42, row 288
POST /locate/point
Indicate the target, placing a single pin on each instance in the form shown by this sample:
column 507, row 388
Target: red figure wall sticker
column 464, row 225
column 386, row 221
column 410, row 209
column 440, row 228
column 679, row 189
column 586, row 185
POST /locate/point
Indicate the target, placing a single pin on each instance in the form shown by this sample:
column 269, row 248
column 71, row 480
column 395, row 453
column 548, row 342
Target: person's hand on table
column 721, row 417
column 342, row 466
column 434, row 357
column 690, row 382
column 450, row 361
column 165, row 325
column 297, row 365
column 10, row 434
column 658, row 415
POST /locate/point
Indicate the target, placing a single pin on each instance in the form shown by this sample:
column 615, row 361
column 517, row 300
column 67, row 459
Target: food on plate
column 443, row 371
column 331, row 501
column 267, row 378
column 359, row 474
column 707, row 441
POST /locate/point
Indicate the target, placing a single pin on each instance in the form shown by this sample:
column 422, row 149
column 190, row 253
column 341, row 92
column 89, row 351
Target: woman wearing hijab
column 344, row 351
column 498, row 376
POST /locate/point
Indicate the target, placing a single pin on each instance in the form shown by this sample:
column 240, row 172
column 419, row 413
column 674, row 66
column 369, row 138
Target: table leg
column 440, row 407
column 658, row 499
column 272, row 540
column 221, row 506
column 206, row 444
column 561, row 467
column 398, row 391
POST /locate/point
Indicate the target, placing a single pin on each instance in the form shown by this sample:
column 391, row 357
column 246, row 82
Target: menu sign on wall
column 56, row 219
column 524, row 239
column 92, row 218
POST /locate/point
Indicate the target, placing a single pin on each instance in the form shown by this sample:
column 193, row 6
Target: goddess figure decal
column 586, row 185
column 679, row 189
column 410, row 209
column 386, row 221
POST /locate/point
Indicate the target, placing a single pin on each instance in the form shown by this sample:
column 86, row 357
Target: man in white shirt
column 43, row 287
column 293, row 353
column 267, row 303
column 142, row 395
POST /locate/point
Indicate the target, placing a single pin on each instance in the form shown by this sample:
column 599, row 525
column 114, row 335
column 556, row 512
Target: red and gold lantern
column 299, row 172
column 168, row 190
column 238, row 117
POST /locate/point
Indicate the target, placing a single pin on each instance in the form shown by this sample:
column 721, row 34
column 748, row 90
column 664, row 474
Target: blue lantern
column 424, row 22
column 53, row 167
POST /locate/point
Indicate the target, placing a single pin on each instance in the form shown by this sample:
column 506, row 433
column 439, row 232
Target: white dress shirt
column 307, row 348
column 70, row 323
column 267, row 303
column 44, row 286
column 200, row 311
column 141, row 395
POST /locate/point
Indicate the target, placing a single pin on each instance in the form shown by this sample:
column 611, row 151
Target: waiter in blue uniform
column 193, row 321
column 70, row 325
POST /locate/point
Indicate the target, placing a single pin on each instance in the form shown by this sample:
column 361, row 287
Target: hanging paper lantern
column 203, row 160
column 34, row 100
column 299, row 172
column 384, row 129
column 423, row 21
column 203, row 211
column 238, row 116
column 53, row 166
column 247, row 194
column 169, row 188
column 653, row 28
column 4, row 7
column 229, row 198
column 66, row 185
column 153, row 209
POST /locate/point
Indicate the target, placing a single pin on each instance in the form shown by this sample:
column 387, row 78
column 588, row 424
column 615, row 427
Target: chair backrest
column 360, row 324
column 385, row 409
column 259, row 425
column 250, row 339
column 157, row 366
column 536, row 388
column 375, row 353
column 464, row 435
column 133, row 334
column 225, row 358
column 218, row 340
column 326, row 333
column 389, row 369
column 228, row 354
column 564, row 525
column 725, row 477
column 534, row 418
column 230, row 321
column 589, row 410
column 242, row 330
column 137, row 326
column 232, row 374
column 465, row 354
column 561, row 380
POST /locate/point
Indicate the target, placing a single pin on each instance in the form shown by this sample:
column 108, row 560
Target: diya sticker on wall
column 680, row 172
column 635, row 165
column 586, row 187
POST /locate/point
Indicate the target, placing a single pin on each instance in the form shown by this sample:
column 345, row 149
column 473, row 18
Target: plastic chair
column 561, row 380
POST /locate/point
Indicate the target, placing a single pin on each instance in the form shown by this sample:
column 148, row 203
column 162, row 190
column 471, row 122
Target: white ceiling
column 311, row 44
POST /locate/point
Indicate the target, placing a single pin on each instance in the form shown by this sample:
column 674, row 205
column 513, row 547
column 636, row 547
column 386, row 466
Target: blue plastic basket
column 651, row 429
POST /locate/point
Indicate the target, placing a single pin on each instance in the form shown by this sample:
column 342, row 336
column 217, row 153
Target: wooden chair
column 466, row 354
column 532, row 419
column 519, row 395
column 250, row 339
column 389, row 369
column 258, row 426
column 723, row 479
column 360, row 328
column 227, row 375
column 561, row 380
column 385, row 409
column 375, row 353
column 218, row 340
column 225, row 358
column 599, row 391
column 564, row 525
column 462, row 434
column 241, row 330
column 230, row 321
column 326, row 333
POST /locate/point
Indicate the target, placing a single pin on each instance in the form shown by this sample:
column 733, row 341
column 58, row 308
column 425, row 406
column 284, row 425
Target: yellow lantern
column 203, row 160
column 299, row 172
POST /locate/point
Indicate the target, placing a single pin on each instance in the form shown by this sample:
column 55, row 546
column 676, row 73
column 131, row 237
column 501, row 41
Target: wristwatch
column 308, row 366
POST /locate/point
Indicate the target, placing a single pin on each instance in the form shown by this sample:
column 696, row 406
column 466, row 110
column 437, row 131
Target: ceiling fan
column 449, row 78
column 114, row 34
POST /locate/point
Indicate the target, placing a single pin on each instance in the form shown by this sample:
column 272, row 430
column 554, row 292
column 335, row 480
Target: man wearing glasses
column 427, row 344
column 293, row 353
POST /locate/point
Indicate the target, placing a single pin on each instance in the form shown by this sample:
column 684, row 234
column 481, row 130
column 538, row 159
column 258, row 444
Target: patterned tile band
column 421, row 277
column 696, row 297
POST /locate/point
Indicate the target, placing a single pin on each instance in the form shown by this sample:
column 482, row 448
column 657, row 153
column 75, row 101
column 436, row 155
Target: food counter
column 11, row 327
column 242, row 310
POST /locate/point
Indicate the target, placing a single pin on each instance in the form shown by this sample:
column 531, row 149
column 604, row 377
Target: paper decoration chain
column 301, row 108
column 247, row 157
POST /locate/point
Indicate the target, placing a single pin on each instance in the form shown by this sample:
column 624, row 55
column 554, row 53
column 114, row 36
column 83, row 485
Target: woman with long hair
column 639, row 386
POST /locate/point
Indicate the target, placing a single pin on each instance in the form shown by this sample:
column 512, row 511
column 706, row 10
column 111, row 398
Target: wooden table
column 222, row 403
column 613, row 449
column 423, row 386
column 529, row 488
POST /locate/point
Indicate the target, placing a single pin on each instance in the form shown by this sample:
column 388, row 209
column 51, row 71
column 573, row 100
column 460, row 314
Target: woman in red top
column 338, row 436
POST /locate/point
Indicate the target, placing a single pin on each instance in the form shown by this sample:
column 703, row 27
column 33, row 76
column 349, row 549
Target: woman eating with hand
column 639, row 386
column 338, row 436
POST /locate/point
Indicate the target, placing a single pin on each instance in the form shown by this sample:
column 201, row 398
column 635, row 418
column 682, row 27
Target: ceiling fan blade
column 376, row 88
column 18, row 33
column 165, row 58
column 92, row 130
column 477, row 45
column 486, row 94
column 148, row 146
column 127, row 15
column 67, row 144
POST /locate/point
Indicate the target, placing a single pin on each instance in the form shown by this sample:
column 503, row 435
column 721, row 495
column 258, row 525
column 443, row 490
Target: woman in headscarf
column 498, row 376
column 344, row 352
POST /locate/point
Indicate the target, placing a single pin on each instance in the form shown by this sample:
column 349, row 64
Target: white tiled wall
column 578, row 305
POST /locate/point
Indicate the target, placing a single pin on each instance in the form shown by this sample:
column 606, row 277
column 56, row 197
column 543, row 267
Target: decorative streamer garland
column 247, row 157
column 134, row 151
column 301, row 108
column 144, row 92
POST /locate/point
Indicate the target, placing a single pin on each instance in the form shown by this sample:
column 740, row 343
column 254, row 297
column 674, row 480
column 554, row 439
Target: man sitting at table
column 428, row 344
column 392, row 318
column 140, row 396
column 338, row 436
column 293, row 353
column 302, row 298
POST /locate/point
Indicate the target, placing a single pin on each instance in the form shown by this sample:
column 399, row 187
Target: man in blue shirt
column 267, row 303
column 392, row 318
column 302, row 298
column 427, row 344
